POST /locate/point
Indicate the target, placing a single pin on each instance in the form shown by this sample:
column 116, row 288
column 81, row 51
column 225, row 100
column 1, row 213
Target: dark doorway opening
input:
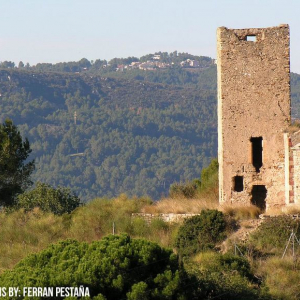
column 238, row 183
column 259, row 195
column 257, row 150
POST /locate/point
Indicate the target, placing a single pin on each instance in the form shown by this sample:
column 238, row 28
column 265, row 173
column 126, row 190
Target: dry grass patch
column 291, row 209
column 275, row 211
column 240, row 212
column 180, row 206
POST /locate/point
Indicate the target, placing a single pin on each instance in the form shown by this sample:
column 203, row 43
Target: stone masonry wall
column 169, row 218
column 253, row 102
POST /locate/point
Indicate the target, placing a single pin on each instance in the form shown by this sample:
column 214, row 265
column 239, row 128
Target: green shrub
column 140, row 227
column 230, row 262
column 158, row 225
column 210, row 176
column 116, row 267
column 201, row 232
column 58, row 201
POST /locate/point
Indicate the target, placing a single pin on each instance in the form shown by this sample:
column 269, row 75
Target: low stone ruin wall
column 178, row 218
column 170, row 218
column 293, row 216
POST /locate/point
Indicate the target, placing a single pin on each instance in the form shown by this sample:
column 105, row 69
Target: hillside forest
column 102, row 132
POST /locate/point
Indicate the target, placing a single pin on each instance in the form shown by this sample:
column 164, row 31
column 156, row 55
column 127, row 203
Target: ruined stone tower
column 253, row 116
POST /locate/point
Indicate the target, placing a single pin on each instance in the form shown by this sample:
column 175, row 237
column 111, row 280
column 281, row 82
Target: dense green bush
column 201, row 232
column 230, row 262
column 116, row 267
column 58, row 201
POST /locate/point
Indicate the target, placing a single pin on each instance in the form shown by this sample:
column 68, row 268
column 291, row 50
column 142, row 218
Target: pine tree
column 15, row 171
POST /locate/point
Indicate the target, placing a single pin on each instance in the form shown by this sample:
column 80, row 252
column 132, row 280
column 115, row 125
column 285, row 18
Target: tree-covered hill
column 129, row 136
column 136, row 131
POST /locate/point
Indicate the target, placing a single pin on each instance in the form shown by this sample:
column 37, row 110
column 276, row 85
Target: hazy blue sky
column 65, row 30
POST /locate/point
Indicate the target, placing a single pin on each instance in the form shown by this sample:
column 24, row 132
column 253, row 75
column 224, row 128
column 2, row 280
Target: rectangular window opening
column 238, row 183
column 257, row 153
column 251, row 38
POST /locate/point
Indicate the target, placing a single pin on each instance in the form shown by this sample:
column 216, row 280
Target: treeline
column 204, row 76
column 102, row 66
